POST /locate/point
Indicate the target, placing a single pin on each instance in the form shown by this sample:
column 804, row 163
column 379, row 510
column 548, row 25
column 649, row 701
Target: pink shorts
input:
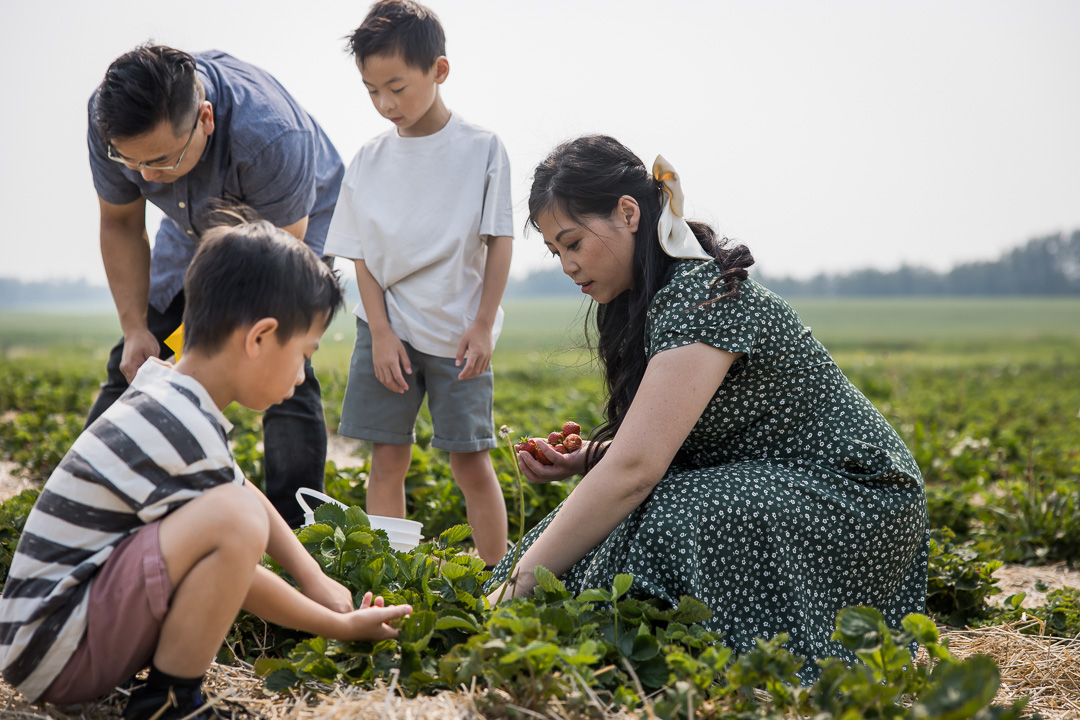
column 128, row 600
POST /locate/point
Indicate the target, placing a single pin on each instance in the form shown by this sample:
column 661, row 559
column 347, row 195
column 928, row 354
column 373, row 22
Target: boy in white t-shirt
column 425, row 213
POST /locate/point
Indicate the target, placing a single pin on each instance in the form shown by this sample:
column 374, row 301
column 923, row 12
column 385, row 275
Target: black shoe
column 177, row 703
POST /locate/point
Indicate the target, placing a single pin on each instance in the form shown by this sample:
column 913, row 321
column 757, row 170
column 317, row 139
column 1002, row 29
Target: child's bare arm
column 475, row 348
column 274, row 600
column 287, row 551
column 388, row 355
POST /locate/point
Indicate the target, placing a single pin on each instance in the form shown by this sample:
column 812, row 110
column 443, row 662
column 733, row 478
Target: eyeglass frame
column 143, row 166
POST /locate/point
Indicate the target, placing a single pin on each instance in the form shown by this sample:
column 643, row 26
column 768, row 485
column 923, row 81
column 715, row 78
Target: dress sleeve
column 678, row 317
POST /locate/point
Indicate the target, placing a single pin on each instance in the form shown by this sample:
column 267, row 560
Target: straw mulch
column 1045, row 668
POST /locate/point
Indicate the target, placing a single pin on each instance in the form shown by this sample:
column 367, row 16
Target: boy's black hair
column 142, row 88
column 399, row 26
column 249, row 271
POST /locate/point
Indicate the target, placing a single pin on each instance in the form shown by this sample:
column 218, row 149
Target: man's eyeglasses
column 145, row 166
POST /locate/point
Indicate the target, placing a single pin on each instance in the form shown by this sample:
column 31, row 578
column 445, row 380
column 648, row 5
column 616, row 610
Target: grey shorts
column 461, row 410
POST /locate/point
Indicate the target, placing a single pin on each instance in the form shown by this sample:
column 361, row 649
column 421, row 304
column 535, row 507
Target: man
column 186, row 132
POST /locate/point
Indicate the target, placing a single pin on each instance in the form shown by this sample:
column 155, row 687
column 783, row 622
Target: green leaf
column 452, row 571
column 594, row 595
column 417, row 628
column 282, row 679
column 330, row 514
column 451, row 622
column 547, row 580
column 960, row 689
column 621, row 584
column 453, row 535
column 314, row 533
column 355, row 517
column 690, row 611
column 859, row 628
column 922, row 628
column 645, row 647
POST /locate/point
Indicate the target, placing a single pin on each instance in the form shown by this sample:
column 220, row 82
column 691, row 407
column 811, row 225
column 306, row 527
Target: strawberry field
column 985, row 393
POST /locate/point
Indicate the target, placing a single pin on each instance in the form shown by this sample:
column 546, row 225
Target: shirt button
column 190, row 232
column 183, row 205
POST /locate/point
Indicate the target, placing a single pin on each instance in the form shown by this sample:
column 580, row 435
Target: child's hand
column 561, row 467
column 369, row 622
column 390, row 360
column 329, row 593
column 475, row 351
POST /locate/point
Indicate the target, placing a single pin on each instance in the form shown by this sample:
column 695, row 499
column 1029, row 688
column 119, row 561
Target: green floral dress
column 791, row 498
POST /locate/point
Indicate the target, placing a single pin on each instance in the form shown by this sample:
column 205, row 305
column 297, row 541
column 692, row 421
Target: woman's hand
column 521, row 586
column 561, row 467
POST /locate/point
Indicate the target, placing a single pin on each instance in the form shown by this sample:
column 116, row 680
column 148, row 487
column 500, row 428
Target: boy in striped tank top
column 147, row 523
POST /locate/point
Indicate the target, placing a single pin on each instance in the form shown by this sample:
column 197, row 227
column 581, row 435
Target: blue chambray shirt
column 266, row 151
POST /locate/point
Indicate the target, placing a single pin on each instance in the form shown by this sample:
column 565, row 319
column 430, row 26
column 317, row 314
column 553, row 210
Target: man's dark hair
column 249, row 271
column 400, row 26
column 142, row 88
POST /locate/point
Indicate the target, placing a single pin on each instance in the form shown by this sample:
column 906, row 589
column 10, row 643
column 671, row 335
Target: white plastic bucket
column 403, row 534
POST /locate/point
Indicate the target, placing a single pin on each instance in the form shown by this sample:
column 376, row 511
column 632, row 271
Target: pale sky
column 827, row 135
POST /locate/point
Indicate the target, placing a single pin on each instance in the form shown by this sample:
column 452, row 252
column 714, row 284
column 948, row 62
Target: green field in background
column 939, row 330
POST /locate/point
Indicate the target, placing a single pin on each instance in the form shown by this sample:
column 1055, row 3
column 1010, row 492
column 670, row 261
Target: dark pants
column 294, row 432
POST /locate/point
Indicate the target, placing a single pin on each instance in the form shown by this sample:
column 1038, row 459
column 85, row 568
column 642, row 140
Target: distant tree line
column 18, row 295
column 1043, row 266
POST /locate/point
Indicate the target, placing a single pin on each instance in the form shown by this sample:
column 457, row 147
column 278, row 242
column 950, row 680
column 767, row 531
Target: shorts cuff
column 382, row 437
column 465, row 446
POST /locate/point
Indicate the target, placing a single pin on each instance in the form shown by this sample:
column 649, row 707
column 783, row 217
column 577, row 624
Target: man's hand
column 330, row 593
column 475, row 351
column 390, row 360
column 138, row 346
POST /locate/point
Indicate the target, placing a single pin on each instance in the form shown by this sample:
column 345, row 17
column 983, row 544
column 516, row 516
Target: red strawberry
column 527, row 445
column 572, row 442
column 555, row 438
column 541, row 457
column 571, row 428
column 561, row 449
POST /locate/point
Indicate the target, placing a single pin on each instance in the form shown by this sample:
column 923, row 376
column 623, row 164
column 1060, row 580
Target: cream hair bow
column 676, row 237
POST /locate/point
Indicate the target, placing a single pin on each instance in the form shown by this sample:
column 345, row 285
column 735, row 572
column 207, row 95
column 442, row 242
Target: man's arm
column 298, row 229
column 125, row 251
column 475, row 348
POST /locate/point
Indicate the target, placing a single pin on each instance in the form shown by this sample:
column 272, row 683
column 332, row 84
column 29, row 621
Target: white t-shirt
column 419, row 211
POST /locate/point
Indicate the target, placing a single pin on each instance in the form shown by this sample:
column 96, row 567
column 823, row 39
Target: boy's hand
column 561, row 467
column 390, row 360
column 369, row 622
column 329, row 593
column 475, row 351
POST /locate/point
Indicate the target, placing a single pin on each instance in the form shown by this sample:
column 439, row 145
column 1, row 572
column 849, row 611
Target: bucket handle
column 317, row 495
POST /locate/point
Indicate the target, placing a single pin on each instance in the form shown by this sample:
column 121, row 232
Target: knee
column 392, row 459
column 472, row 469
column 241, row 519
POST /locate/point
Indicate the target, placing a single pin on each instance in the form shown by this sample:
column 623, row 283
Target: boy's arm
column 476, row 346
column 274, row 600
column 295, row 560
column 388, row 354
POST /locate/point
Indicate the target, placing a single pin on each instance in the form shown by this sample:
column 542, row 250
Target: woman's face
column 598, row 254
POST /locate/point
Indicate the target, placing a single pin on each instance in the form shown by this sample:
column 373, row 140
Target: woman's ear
column 258, row 334
column 628, row 212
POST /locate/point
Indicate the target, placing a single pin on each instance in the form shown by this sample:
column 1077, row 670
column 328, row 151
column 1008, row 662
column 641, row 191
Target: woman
column 736, row 462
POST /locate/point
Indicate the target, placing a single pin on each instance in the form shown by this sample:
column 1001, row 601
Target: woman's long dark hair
column 585, row 178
